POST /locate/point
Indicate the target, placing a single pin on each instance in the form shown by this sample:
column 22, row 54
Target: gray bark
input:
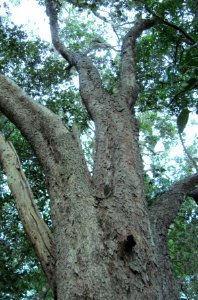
column 99, row 242
column 104, row 244
column 104, row 247
column 107, row 244
column 69, row 185
column 37, row 230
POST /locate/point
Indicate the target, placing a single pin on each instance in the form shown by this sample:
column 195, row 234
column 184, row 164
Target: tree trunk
column 102, row 232
column 106, row 243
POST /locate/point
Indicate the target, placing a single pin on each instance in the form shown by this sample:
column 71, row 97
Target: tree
column 106, row 242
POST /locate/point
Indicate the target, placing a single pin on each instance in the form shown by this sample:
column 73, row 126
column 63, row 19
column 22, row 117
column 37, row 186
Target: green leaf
column 182, row 119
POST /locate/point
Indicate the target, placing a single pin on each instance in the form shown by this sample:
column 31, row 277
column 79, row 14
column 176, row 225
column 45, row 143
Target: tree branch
column 43, row 129
column 29, row 117
column 91, row 88
column 35, row 227
column 181, row 92
column 128, row 85
column 196, row 8
column 165, row 208
column 104, row 19
column 52, row 9
column 69, row 185
column 187, row 36
column 194, row 195
column 192, row 160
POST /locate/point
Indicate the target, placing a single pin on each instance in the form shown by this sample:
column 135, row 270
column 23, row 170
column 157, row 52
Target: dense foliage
column 167, row 72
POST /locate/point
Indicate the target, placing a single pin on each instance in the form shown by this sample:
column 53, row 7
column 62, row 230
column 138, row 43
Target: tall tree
column 106, row 242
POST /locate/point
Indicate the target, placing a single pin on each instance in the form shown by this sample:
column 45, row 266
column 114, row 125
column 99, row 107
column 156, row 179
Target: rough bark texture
column 37, row 230
column 107, row 244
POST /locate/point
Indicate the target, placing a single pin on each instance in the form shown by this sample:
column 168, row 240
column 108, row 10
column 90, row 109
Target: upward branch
column 42, row 128
column 52, row 9
column 128, row 84
column 29, row 117
column 191, row 159
column 91, row 88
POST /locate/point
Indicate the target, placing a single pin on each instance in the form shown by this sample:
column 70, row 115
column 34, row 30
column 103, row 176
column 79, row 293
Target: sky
column 33, row 16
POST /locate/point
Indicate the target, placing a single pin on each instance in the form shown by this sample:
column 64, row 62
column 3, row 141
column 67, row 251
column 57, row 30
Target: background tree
column 108, row 242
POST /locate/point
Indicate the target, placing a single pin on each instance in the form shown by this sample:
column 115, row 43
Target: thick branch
column 36, row 229
column 69, row 185
column 128, row 84
column 166, row 207
column 28, row 116
column 43, row 129
column 52, row 9
column 91, row 88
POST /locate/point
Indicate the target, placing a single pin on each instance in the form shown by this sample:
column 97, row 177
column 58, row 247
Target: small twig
column 9, row 134
column 188, row 37
column 187, row 89
column 176, row 51
column 187, row 153
column 104, row 19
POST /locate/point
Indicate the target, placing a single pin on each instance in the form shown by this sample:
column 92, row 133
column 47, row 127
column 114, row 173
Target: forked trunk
column 105, row 247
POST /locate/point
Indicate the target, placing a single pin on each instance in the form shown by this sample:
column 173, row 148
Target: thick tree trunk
column 101, row 229
column 106, row 244
column 103, row 243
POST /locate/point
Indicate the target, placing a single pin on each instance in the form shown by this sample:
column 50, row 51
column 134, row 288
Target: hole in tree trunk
column 129, row 243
